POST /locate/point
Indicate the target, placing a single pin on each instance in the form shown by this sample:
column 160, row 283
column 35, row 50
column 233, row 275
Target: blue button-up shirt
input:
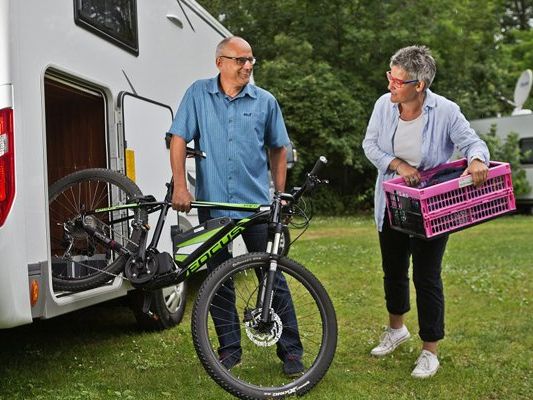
column 445, row 128
column 233, row 132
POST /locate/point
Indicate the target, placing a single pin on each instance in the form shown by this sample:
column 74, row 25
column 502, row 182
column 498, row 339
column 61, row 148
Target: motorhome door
column 145, row 123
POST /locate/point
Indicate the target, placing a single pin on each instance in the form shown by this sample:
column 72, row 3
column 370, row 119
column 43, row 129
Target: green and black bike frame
column 218, row 235
column 212, row 238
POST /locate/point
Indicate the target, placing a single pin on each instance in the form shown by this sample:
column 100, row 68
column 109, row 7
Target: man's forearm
column 177, row 160
column 278, row 167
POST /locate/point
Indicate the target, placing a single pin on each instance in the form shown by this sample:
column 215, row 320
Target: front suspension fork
column 267, row 290
column 267, row 295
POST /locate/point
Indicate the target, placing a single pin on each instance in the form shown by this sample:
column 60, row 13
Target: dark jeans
column 226, row 318
column 396, row 248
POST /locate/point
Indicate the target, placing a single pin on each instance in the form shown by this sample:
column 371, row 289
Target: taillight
column 7, row 163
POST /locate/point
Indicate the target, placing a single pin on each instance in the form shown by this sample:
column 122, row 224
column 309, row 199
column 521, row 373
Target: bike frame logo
column 214, row 249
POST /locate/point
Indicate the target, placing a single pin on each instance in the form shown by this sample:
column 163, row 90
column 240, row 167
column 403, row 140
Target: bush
column 508, row 151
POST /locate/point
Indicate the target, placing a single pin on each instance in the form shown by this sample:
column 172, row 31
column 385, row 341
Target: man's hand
column 479, row 172
column 181, row 199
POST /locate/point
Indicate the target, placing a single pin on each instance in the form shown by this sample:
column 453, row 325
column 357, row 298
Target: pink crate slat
column 460, row 195
column 472, row 214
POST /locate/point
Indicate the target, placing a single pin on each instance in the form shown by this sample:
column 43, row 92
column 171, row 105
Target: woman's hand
column 479, row 172
column 410, row 174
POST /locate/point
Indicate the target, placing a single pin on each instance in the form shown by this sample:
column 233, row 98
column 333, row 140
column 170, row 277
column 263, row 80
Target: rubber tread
column 201, row 339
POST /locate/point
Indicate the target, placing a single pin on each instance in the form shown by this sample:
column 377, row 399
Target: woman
column 413, row 129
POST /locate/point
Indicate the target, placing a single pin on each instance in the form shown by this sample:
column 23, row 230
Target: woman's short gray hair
column 417, row 62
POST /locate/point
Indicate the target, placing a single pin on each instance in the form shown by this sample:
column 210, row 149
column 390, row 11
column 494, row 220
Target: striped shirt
column 445, row 128
column 234, row 133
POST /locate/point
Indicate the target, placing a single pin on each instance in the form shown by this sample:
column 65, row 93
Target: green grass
column 98, row 353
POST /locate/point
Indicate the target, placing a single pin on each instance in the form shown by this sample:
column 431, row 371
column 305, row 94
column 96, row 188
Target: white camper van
column 86, row 83
column 521, row 123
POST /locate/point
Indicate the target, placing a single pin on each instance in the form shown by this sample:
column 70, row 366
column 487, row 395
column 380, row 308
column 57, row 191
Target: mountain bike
column 101, row 218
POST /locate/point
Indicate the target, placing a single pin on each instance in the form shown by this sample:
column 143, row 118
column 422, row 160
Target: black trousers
column 396, row 250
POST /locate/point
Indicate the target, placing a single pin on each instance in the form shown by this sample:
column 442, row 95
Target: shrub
column 508, row 150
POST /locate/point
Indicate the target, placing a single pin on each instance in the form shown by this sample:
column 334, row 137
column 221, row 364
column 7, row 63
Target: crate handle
column 465, row 181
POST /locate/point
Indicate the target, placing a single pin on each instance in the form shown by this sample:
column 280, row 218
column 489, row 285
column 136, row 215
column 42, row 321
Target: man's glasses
column 398, row 82
column 241, row 60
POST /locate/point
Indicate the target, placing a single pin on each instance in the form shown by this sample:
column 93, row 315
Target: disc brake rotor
column 260, row 338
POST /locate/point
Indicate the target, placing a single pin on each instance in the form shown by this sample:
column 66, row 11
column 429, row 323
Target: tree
column 325, row 61
column 517, row 43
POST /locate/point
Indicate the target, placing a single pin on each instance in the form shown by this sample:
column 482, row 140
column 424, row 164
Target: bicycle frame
column 212, row 241
column 209, row 243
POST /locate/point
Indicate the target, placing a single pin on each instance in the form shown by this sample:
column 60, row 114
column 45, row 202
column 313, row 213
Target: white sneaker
column 427, row 365
column 390, row 339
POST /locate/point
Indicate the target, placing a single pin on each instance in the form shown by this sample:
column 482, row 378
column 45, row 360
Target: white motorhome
column 82, row 84
column 521, row 123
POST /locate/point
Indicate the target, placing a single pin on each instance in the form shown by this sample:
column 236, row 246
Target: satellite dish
column 521, row 91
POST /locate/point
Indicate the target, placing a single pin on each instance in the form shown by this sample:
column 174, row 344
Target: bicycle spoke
column 77, row 254
column 300, row 323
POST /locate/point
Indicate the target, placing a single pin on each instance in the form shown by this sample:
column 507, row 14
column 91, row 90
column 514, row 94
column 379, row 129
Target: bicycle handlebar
column 311, row 179
column 320, row 163
column 310, row 182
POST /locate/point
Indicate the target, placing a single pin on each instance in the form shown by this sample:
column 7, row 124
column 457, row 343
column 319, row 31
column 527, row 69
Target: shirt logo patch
column 247, row 114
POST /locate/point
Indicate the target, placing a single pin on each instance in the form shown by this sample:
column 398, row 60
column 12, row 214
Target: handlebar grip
column 320, row 163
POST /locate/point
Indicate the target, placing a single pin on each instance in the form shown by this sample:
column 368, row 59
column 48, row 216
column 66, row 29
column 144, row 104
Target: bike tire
column 259, row 375
column 90, row 189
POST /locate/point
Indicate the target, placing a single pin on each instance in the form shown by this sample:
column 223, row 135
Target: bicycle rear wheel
column 79, row 261
column 259, row 375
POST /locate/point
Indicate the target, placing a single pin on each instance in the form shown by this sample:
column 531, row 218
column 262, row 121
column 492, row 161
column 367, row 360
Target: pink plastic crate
column 449, row 206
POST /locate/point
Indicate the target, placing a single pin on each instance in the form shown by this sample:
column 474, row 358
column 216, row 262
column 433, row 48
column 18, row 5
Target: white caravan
column 82, row 84
column 521, row 123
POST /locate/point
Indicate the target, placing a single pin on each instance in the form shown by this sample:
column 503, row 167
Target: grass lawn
column 99, row 353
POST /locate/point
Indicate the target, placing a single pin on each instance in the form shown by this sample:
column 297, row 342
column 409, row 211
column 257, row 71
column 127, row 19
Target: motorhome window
column 113, row 20
column 526, row 150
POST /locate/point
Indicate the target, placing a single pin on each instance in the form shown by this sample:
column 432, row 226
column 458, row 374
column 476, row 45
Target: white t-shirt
column 408, row 140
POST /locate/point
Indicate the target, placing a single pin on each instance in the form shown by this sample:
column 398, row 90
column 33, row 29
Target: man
column 233, row 121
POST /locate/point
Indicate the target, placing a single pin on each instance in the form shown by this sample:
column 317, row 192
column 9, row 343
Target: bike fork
column 268, row 291
column 267, row 295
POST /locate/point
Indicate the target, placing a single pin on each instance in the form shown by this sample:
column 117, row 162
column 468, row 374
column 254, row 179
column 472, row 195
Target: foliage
column 325, row 61
column 319, row 110
column 508, row 150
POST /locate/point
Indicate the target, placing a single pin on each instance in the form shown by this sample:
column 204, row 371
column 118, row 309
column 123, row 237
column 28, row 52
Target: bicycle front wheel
column 303, row 326
column 79, row 261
